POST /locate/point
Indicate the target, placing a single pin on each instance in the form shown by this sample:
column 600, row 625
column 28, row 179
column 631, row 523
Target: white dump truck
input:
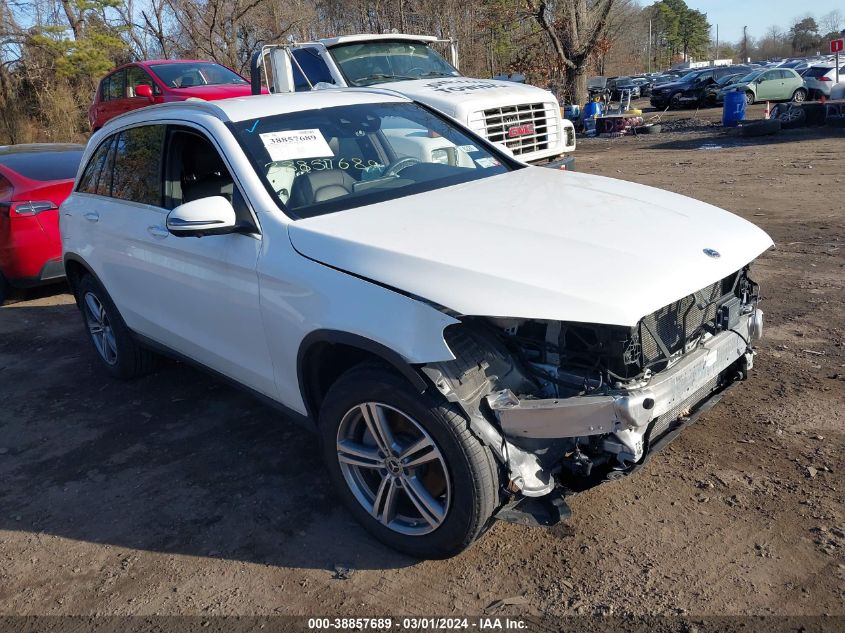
column 524, row 119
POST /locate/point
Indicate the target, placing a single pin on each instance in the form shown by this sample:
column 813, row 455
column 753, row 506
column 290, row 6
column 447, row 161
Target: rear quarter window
column 96, row 178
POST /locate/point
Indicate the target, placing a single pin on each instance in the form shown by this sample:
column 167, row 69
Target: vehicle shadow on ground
column 175, row 462
column 724, row 139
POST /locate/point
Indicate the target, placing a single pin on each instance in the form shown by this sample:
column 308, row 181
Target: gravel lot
column 176, row 494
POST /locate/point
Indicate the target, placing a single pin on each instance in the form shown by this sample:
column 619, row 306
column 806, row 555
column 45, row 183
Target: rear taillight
column 30, row 207
column 825, row 79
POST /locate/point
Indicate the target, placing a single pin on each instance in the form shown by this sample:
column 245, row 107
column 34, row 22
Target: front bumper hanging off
column 684, row 385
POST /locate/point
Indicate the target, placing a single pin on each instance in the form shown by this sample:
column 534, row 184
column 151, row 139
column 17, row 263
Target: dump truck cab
column 524, row 119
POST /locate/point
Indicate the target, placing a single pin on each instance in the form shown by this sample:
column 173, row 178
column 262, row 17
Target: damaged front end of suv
column 566, row 406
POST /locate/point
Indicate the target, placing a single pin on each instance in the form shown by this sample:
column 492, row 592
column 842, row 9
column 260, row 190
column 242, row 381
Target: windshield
column 190, row 74
column 368, row 63
column 749, row 77
column 332, row 159
column 727, row 79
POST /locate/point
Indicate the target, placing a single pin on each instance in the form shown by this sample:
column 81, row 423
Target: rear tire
column 119, row 353
column 799, row 96
column 4, row 288
column 749, row 98
column 675, row 101
column 458, row 484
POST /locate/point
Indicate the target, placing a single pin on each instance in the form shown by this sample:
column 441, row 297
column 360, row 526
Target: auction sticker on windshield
column 293, row 144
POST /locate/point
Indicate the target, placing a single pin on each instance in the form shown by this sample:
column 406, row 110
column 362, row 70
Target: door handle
column 158, row 231
column 92, row 216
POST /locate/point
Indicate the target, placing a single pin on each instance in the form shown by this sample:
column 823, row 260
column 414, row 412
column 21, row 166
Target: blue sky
column 758, row 15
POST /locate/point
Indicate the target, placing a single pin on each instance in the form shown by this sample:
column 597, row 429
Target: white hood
column 538, row 243
column 458, row 96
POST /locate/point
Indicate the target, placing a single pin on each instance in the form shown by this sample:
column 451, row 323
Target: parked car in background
column 34, row 180
column 820, row 79
column 144, row 83
column 713, row 92
column 392, row 280
column 644, row 84
column 617, row 85
column 771, row 84
column 689, row 90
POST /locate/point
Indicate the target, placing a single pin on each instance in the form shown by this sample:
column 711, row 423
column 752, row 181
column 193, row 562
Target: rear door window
column 137, row 165
column 114, row 86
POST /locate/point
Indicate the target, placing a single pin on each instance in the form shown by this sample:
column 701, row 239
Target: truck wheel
column 406, row 464
column 800, row 95
column 119, row 353
column 749, row 98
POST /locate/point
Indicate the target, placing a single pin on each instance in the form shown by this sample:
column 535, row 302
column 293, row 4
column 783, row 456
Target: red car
column 144, row 83
column 34, row 181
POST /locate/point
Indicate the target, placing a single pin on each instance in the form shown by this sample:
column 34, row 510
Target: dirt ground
column 176, row 494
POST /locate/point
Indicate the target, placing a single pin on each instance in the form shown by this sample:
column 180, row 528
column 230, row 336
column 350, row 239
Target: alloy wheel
column 393, row 468
column 99, row 327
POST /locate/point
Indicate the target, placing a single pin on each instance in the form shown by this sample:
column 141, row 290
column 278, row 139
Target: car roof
column 367, row 37
column 259, row 106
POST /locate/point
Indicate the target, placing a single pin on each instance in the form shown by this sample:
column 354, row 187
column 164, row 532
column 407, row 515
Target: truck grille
column 668, row 330
column 535, row 124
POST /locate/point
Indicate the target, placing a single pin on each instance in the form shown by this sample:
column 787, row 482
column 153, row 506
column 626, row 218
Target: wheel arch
column 324, row 355
column 76, row 268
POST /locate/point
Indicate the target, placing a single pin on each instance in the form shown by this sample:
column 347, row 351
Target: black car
column 690, row 89
column 619, row 84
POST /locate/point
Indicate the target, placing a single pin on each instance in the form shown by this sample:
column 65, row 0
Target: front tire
column 119, row 353
column 749, row 98
column 406, row 464
column 799, row 96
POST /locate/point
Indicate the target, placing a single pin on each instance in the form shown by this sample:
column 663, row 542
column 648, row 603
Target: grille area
column 671, row 327
column 663, row 423
column 500, row 121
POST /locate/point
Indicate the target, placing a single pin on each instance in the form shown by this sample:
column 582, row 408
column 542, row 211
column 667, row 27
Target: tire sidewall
column 438, row 419
column 750, row 97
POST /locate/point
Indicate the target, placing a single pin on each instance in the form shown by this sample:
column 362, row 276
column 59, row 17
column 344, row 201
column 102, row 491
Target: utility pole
column 744, row 44
column 649, row 46
column 716, row 56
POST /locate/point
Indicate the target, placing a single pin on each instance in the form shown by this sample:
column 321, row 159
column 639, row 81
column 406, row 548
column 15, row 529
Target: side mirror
column 207, row 216
column 144, row 90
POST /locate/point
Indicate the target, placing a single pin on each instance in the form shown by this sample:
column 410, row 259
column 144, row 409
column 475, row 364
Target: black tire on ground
column 675, row 101
column 800, row 95
column 652, row 128
column 791, row 117
column 130, row 359
column 759, row 128
column 4, row 288
column 472, row 470
column 749, row 98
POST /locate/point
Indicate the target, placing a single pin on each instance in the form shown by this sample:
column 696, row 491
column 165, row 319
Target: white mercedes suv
column 471, row 337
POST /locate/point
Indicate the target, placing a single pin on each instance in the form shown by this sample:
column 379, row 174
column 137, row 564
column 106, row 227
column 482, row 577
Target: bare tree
column 574, row 32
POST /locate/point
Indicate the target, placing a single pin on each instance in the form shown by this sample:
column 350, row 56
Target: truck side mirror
column 280, row 60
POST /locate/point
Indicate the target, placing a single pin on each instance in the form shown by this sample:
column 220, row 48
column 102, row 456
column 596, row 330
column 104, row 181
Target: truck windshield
column 368, row 63
column 332, row 159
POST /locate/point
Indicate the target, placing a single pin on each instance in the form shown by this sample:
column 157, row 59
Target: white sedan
column 472, row 338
